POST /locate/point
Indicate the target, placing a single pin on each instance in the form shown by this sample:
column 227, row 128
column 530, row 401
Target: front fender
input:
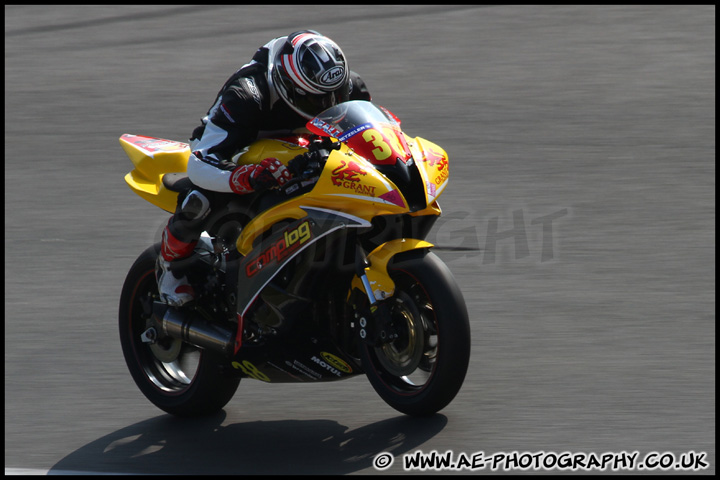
column 377, row 272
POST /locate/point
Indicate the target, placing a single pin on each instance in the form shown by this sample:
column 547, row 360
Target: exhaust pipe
column 182, row 324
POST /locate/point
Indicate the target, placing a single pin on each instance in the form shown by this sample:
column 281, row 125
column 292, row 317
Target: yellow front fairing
column 433, row 165
column 347, row 184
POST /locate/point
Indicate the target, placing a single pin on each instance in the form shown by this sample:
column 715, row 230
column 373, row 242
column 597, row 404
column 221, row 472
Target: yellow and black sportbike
column 324, row 279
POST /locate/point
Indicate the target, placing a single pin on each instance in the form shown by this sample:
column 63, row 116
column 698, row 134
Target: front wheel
column 422, row 370
column 175, row 376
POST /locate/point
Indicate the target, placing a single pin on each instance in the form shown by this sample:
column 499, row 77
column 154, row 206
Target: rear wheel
column 175, row 376
column 422, row 370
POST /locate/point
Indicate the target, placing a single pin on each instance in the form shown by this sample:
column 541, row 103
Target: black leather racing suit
column 245, row 106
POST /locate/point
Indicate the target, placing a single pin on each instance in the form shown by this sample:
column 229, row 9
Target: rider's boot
column 173, row 285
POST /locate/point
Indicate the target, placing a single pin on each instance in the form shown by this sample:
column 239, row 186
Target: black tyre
column 421, row 371
column 177, row 377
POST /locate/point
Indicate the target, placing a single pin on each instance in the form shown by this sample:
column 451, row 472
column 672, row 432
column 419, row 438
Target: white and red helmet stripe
column 290, row 65
column 301, row 38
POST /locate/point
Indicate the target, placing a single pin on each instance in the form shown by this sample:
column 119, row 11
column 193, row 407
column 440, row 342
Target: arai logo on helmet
column 332, row 76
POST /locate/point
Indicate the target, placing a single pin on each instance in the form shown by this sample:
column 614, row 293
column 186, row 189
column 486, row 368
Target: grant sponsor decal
column 348, row 175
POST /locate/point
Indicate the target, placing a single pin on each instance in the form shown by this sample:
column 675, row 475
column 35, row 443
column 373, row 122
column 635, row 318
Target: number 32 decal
column 382, row 149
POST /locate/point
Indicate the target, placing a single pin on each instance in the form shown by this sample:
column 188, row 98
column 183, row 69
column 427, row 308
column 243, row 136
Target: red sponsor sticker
column 152, row 145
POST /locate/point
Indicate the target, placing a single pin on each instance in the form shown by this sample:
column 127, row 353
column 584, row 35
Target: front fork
column 375, row 326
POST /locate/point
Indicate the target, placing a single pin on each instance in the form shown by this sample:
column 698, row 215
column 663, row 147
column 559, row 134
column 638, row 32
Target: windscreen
column 371, row 132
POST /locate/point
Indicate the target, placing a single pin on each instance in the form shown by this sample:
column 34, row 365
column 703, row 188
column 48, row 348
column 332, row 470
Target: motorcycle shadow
column 170, row 446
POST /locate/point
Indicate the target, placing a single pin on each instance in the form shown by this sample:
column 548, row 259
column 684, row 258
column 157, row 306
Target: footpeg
column 149, row 335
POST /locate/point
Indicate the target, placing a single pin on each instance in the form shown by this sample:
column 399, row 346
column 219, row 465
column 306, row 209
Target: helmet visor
column 309, row 104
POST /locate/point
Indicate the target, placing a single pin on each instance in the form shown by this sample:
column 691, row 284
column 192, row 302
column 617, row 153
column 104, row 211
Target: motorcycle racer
column 288, row 81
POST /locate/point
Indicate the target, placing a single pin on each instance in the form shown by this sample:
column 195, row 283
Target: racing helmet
column 310, row 73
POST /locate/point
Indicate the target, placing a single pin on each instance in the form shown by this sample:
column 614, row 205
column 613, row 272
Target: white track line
column 39, row 471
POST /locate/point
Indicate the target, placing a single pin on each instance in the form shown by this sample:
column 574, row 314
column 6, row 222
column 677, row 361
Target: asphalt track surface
column 579, row 222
